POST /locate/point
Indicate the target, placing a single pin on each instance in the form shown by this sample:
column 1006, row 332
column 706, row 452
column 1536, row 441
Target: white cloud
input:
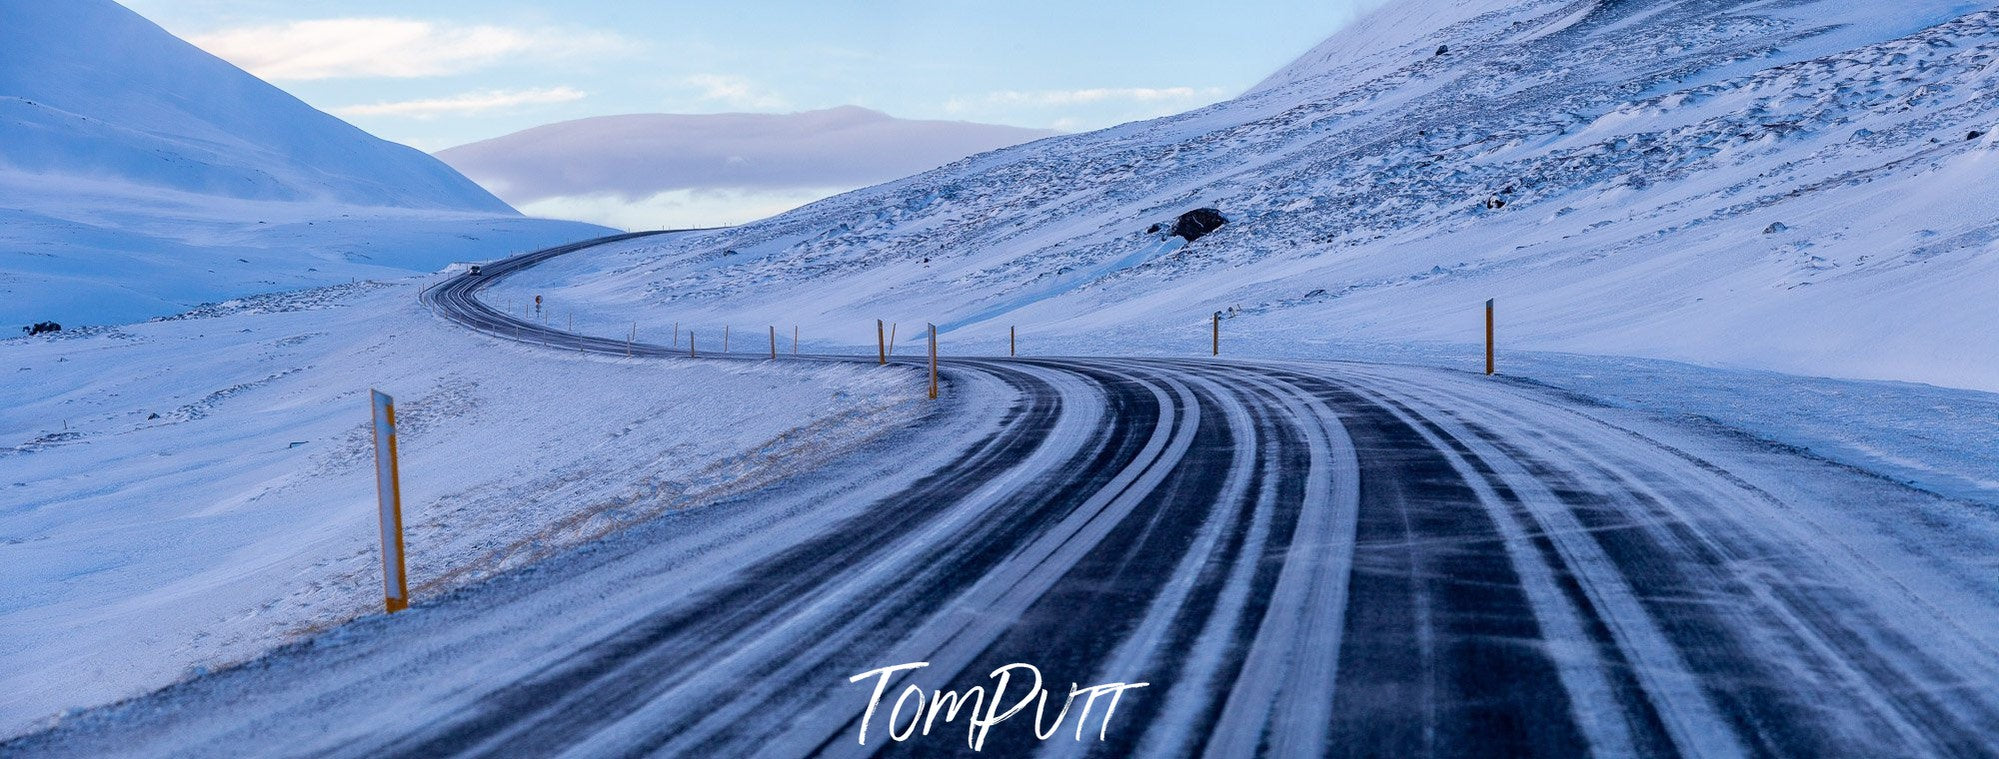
column 678, row 209
column 390, row 47
column 467, row 103
column 1050, row 98
column 733, row 91
column 1082, row 109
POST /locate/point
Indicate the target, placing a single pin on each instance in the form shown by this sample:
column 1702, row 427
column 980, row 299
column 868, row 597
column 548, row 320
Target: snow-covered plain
column 140, row 176
column 187, row 493
column 1790, row 186
column 82, row 252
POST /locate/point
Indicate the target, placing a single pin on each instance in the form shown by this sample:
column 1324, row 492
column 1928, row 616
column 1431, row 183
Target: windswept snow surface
column 188, row 493
column 1606, row 170
column 140, row 176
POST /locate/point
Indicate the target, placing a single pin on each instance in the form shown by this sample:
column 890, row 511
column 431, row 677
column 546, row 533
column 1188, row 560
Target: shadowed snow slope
column 1799, row 185
column 140, row 175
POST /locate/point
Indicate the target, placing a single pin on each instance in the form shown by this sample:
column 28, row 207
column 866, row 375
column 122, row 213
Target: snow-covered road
column 1297, row 558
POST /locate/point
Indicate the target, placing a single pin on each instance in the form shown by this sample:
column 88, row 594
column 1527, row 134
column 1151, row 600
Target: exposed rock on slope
column 1195, row 224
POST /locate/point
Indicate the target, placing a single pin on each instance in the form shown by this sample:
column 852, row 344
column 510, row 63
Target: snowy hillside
column 187, row 493
column 140, row 175
column 1800, row 186
column 666, row 169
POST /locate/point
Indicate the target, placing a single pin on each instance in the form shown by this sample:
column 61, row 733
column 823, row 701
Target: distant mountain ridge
column 629, row 158
column 640, row 154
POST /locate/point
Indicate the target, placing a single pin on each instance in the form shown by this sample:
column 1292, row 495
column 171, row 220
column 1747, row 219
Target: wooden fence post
column 773, row 342
column 1489, row 368
column 1218, row 333
column 933, row 362
column 881, row 343
column 1012, row 342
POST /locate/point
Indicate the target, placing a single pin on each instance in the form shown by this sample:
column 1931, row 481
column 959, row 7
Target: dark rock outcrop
column 40, row 327
column 1196, row 224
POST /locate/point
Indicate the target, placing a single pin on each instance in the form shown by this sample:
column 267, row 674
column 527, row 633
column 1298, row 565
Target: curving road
column 1298, row 559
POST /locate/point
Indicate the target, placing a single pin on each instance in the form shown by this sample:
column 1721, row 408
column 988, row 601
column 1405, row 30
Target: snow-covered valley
column 1734, row 492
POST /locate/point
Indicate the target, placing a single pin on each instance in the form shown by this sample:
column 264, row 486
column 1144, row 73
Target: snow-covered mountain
column 140, row 175
column 1800, row 185
column 652, row 167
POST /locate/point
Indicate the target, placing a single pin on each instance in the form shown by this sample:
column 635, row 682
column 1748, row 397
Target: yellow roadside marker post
column 1012, row 342
column 690, row 343
column 725, row 338
column 794, row 339
column 933, row 362
column 773, row 342
column 388, row 493
column 1218, row 333
column 881, row 343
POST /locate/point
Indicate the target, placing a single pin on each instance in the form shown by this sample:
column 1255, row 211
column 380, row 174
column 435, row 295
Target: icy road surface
column 1300, row 559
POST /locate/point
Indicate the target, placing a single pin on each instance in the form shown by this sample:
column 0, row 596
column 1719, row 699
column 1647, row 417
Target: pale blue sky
column 438, row 74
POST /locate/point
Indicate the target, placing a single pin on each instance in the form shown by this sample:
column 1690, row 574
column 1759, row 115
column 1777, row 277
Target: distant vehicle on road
column 474, row 271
